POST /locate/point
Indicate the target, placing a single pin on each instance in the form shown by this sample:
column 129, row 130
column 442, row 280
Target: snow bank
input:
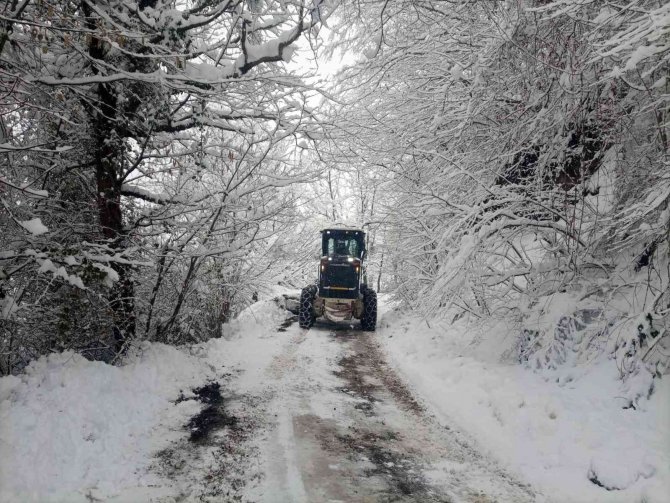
column 70, row 427
column 568, row 439
column 74, row 430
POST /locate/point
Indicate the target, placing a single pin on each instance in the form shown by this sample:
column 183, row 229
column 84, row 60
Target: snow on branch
column 152, row 197
column 25, row 189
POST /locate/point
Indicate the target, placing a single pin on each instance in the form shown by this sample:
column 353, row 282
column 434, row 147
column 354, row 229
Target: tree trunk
column 108, row 158
column 379, row 276
column 122, row 296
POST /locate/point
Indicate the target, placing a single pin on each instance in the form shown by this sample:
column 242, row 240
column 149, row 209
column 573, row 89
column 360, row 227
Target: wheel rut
column 388, row 448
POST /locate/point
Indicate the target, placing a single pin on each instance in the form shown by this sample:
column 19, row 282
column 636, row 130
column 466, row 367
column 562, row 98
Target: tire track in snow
column 348, row 429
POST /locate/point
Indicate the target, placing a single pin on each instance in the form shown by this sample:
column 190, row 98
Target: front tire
column 306, row 311
column 369, row 318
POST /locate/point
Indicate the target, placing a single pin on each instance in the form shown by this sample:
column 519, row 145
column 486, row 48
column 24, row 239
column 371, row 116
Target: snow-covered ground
column 72, row 430
column 556, row 432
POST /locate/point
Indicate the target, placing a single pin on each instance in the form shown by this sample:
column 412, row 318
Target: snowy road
column 344, row 427
column 273, row 413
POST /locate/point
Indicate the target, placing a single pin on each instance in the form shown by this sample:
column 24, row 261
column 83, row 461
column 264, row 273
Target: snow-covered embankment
column 563, row 437
column 72, row 429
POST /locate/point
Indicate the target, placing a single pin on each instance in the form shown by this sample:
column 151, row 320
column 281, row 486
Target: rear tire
column 369, row 318
column 306, row 311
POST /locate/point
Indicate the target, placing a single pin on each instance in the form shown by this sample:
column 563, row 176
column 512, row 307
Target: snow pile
column 70, row 427
column 76, row 430
column 564, row 430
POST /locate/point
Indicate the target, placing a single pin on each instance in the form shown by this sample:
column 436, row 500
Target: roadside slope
column 75, row 430
column 566, row 434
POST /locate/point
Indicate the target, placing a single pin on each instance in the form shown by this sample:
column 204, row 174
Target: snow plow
column 341, row 292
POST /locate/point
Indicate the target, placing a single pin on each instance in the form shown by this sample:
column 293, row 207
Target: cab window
column 343, row 246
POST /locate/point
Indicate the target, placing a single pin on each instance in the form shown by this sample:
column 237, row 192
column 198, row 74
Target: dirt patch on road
column 212, row 417
column 356, row 383
column 367, row 364
column 215, row 462
column 360, row 464
column 390, row 461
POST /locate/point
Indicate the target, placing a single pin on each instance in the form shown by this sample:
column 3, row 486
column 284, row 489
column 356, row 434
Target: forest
column 164, row 163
